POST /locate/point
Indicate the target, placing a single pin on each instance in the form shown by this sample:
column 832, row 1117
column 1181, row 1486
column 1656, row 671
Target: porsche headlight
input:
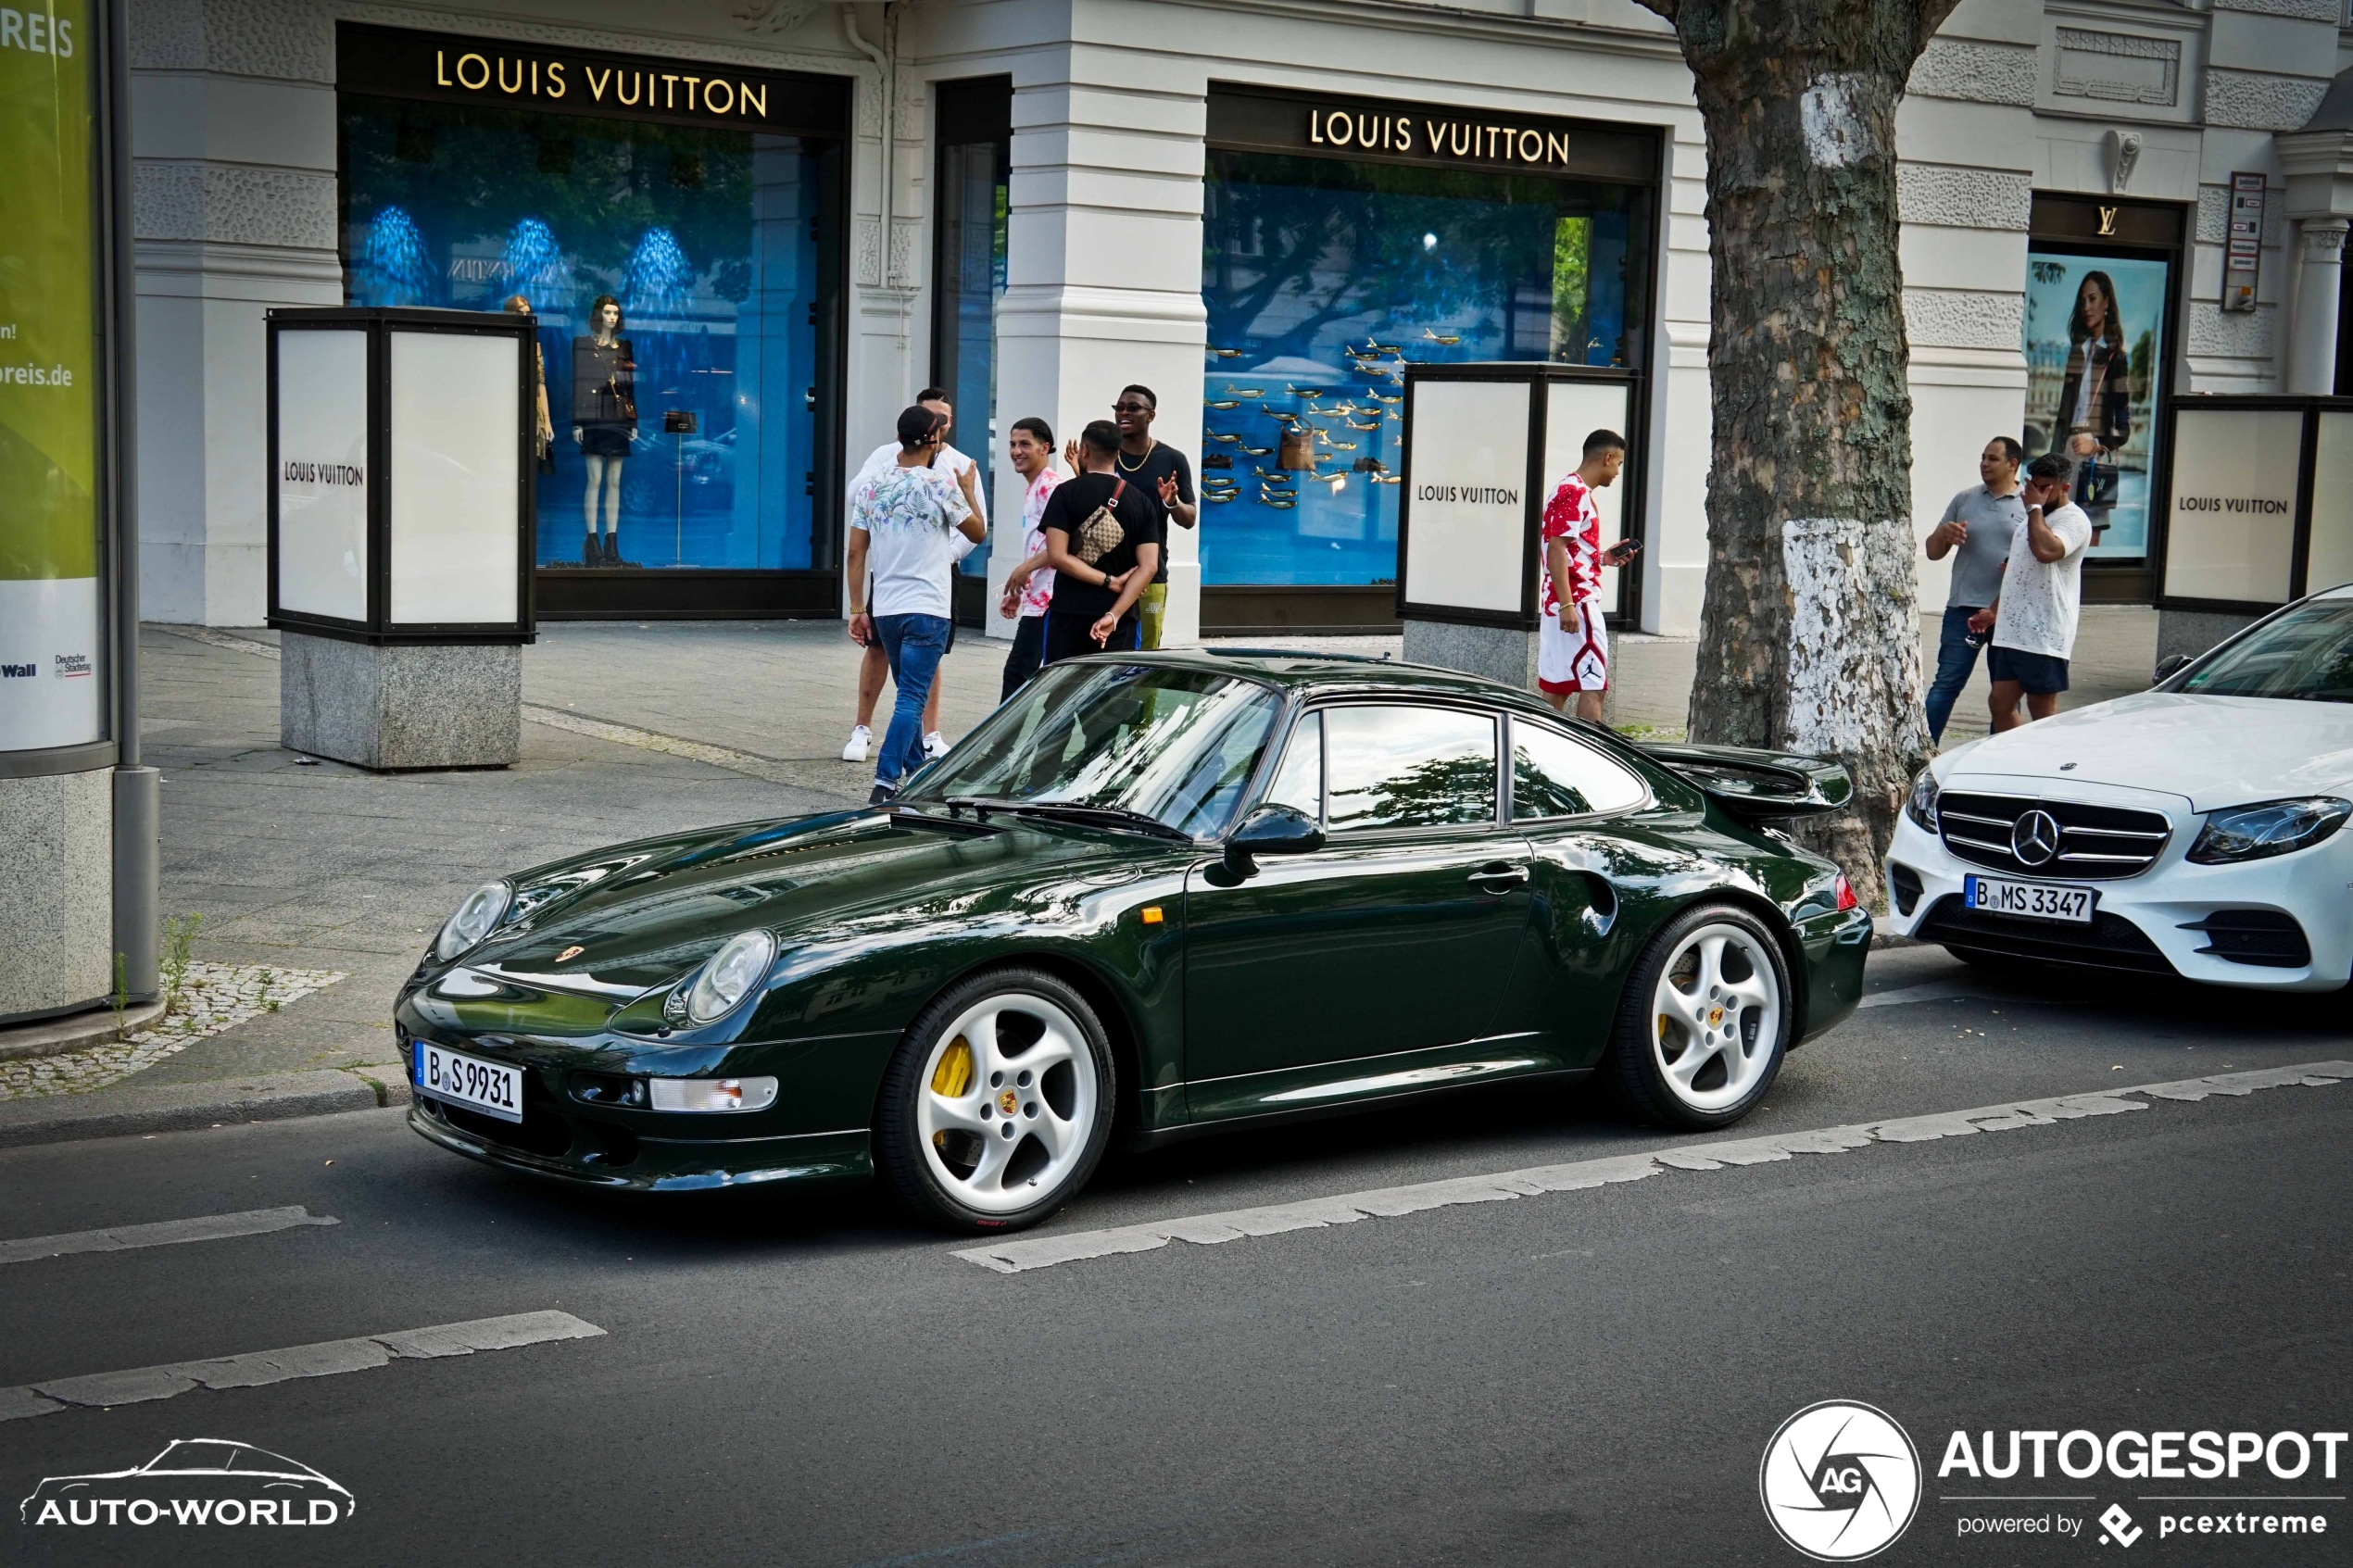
column 2275, row 827
column 1921, row 806
column 730, row 975
column 475, row 919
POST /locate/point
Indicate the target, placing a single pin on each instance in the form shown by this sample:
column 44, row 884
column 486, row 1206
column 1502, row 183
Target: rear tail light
column 1846, row 899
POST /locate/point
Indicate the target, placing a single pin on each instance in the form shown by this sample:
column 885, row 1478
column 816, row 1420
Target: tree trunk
column 1809, row 635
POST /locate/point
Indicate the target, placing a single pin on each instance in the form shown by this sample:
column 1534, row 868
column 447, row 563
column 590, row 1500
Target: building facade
column 750, row 229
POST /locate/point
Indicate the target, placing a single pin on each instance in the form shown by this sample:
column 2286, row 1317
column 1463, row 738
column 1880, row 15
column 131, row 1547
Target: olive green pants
column 1150, row 611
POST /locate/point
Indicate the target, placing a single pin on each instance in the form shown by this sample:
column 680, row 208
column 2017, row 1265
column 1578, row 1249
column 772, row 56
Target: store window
column 2100, row 280
column 1329, row 267
column 974, row 165
column 682, row 272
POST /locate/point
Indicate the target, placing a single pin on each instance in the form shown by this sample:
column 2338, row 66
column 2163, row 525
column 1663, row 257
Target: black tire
column 1633, row 1070
column 928, row 1182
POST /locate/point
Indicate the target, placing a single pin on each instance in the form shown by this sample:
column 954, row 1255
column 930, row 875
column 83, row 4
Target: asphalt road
column 1584, row 1376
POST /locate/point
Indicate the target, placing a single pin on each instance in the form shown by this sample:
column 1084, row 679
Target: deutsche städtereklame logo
column 1840, row 1481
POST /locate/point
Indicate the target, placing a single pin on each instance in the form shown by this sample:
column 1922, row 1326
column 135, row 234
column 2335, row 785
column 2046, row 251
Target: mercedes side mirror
column 2170, row 666
column 1271, row 830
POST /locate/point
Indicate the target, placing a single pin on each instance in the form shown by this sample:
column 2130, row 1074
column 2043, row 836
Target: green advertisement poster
column 50, row 690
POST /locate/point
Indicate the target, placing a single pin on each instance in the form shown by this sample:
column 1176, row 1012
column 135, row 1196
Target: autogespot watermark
column 1840, row 1481
column 195, row 1481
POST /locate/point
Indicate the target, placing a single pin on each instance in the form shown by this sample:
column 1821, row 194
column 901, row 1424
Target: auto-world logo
column 195, row 1481
column 1840, row 1481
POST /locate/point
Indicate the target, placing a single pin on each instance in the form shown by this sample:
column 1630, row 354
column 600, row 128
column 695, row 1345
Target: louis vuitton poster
column 2094, row 358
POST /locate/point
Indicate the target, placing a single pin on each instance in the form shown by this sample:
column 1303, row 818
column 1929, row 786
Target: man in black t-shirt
column 1163, row 474
column 1104, row 541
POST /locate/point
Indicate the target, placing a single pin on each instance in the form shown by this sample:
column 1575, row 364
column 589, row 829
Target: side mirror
column 1271, row 830
column 2170, row 666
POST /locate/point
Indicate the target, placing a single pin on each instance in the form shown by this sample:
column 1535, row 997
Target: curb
column 1884, row 937
column 51, row 1036
column 119, row 1112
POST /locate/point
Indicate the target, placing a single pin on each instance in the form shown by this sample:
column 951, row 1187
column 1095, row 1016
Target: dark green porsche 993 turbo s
column 1154, row 895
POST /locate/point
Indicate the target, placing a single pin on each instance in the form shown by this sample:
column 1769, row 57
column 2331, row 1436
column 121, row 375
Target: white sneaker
column 934, row 746
column 862, row 740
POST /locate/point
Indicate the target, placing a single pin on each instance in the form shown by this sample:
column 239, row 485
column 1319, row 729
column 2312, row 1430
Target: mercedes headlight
column 730, row 975
column 2274, row 827
column 1921, row 806
column 475, row 919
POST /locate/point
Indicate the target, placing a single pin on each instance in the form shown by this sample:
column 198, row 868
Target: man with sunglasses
column 1163, row 474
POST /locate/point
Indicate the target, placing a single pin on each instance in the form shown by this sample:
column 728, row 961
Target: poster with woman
column 2094, row 356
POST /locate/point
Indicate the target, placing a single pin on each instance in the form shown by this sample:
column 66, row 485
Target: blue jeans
column 913, row 645
column 1956, row 662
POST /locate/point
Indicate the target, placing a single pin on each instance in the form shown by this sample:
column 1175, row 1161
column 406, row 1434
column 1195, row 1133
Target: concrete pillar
column 2312, row 351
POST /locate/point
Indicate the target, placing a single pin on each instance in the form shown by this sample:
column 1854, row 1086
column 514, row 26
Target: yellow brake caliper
column 952, row 1078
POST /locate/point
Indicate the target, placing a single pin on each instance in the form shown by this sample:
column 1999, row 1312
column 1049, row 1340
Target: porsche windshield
column 2306, row 654
column 1175, row 745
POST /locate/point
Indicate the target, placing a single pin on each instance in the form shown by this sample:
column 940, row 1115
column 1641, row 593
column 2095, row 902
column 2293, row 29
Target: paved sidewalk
column 302, row 867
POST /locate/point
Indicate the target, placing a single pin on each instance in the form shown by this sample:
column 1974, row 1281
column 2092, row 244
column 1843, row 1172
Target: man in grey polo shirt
column 1979, row 525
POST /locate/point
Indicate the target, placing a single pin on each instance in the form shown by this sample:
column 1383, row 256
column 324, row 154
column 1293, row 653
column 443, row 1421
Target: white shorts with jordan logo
column 1574, row 657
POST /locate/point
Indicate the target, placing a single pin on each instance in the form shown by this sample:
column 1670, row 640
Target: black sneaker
column 588, row 556
column 882, row 795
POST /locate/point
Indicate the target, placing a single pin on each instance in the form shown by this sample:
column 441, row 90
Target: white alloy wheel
column 1716, row 1016
column 1006, row 1102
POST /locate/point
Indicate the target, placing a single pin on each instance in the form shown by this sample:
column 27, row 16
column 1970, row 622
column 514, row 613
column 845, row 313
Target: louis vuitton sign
column 1257, row 120
column 504, row 73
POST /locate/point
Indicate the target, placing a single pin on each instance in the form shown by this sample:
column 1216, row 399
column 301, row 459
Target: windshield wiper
column 1113, row 815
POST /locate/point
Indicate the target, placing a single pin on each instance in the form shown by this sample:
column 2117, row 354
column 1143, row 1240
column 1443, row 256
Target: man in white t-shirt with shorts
column 1572, row 652
column 2033, row 622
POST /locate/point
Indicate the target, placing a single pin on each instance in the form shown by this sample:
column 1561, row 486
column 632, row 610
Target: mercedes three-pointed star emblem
column 2034, row 838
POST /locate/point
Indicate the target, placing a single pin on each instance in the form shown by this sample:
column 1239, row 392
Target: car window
column 194, row 1456
column 2304, row 654
column 1299, row 782
column 1401, row 766
column 1554, row 775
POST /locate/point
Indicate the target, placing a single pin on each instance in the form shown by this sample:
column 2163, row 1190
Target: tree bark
column 1810, row 633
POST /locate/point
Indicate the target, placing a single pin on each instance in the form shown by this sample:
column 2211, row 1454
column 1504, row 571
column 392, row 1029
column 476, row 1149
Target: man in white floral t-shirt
column 1029, row 587
column 2042, row 598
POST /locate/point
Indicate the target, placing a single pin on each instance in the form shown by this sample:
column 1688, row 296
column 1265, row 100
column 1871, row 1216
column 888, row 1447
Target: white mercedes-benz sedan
column 2193, row 829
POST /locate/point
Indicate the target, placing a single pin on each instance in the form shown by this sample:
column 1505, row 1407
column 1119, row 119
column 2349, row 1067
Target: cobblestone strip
column 214, row 997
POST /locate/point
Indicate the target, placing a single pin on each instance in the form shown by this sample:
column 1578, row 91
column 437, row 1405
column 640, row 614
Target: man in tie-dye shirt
column 1029, row 587
column 1572, row 654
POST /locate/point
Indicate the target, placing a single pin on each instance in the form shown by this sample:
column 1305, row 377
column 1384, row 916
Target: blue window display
column 675, row 273
column 974, row 210
column 1322, row 278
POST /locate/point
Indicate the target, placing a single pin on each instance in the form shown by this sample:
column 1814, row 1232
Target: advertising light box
column 1485, row 445
column 401, row 474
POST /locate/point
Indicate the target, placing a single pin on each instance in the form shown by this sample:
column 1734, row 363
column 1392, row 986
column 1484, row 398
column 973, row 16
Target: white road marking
column 122, row 1239
column 1013, row 1257
column 256, row 1368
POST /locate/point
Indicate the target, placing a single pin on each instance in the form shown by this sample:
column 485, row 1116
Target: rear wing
column 1756, row 785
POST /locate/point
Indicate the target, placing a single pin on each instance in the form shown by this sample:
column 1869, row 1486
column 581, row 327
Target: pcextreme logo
column 195, row 1481
column 1840, row 1481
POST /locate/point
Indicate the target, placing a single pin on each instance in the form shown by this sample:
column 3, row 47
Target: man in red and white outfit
column 1572, row 654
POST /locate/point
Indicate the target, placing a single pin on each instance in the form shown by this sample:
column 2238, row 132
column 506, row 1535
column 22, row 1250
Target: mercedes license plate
column 487, row 1086
column 2030, row 900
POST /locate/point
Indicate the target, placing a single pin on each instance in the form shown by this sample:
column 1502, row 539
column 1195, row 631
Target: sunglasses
column 1131, row 408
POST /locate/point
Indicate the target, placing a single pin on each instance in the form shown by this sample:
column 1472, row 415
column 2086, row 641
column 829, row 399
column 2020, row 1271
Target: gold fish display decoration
column 1221, row 404
column 1223, row 435
column 1260, row 451
column 1227, row 353
column 1449, row 339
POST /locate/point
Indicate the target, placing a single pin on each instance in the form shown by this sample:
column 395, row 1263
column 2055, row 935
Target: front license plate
column 486, row 1087
column 2030, row 900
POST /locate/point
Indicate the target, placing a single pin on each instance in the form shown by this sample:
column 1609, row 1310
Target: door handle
column 1499, row 878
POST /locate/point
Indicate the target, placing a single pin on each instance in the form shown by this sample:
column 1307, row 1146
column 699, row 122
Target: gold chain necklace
column 1147, row 457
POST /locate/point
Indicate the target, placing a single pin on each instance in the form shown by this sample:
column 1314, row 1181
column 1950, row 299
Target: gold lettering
column 625, row 91
column 1536, row 156
column 1365, row 131
column 502, row 77
column 534, row 79
column 1555, row 147
column 755, row 98
column 690, row 82
column 473, row 86
column 1492, row 131
column 1463, row 139
column 711, row 92
column 1334, row 125
column 1436, row 130
column 1404, row 133
column 440, row 71
column 1316, row 127
column 669, row 94
column 555, row 79
column 2108, row 220
column 595, row 82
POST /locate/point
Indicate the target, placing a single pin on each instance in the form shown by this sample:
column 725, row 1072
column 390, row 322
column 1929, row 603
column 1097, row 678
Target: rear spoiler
column 1756, row 785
